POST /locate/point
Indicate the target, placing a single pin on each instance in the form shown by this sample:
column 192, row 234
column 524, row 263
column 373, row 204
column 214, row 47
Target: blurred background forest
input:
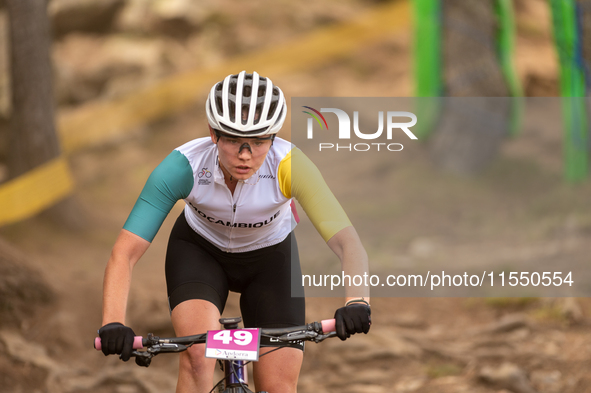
column 109, row 87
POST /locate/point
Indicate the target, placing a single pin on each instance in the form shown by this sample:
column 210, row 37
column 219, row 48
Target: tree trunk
column 33, row 140
column 470, row 131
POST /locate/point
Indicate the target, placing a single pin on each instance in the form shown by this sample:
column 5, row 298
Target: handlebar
column 315, row 331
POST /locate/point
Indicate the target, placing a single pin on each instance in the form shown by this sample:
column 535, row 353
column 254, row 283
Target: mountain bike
column 234, row 348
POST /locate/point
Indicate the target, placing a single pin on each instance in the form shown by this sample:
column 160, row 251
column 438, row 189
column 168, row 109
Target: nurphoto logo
column 344, row 129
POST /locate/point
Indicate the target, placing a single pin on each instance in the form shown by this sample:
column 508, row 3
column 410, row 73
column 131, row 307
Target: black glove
column 117, row 338
column 351, row 319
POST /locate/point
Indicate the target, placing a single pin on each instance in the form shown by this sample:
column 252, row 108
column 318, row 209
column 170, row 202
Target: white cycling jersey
column 258, row 214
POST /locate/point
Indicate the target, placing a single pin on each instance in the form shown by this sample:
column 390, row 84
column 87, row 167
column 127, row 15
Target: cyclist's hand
column 117, row 338
column 351, row 319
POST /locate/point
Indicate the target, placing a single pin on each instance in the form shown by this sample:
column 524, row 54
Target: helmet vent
column 232, row 110
column 272, row 110
column 233, row 83
column 218, row 105
column 244, row 114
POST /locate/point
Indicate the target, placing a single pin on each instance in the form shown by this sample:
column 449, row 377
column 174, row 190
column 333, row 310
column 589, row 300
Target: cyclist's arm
column 127, row 251
column 300, row 178
column 170, row 181
column 347, row 246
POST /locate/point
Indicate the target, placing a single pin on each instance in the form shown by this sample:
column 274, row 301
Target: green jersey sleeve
column 171, row 181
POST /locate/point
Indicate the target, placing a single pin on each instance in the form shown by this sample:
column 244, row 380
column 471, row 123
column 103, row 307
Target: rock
column 369, row 376
column 96, row 16
column 547, row 381
column 61, row 326
column 379, row 344
column 457, row 383
column 506, row 324
column 127, row 379
column 410, row 384
column 23, row 290
column 570, row 308
column 411, row 321
column 386, row 340
column 508, row 376
column 173, row 18
column 362, row 388
column 27, row 352
column 127, row 389
column 90, row 66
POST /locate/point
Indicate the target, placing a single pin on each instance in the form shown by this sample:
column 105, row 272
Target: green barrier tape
column 427, row 63
column 572, row 85
column 506, row 44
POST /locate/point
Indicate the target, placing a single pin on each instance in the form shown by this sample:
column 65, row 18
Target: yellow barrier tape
column 97, row 122
column 36, row 190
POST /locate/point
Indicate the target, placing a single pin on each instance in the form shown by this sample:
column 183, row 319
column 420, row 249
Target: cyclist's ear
column 215, row 136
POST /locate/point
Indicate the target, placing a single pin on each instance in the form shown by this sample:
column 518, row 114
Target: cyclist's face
column 241, row 157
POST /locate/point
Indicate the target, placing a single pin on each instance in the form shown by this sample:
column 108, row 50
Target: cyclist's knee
column 193, row 360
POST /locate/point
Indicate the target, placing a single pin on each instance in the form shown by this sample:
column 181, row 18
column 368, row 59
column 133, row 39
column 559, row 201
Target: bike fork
column 235, row 372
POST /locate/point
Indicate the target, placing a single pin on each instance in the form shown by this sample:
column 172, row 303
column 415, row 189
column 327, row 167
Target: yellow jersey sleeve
column 300, row 178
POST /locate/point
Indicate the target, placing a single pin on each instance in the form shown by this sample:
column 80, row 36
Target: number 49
column 240, row 337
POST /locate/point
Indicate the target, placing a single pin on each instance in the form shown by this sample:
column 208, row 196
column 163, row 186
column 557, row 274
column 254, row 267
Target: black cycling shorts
column 196, row 269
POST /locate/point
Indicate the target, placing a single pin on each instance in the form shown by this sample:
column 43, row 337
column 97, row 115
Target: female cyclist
column 235, row 234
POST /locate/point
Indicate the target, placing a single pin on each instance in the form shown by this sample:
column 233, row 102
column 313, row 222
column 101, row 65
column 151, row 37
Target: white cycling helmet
column 246, row 105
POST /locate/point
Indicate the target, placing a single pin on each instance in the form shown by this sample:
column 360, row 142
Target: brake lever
column 322, row 337
column 166, row 348
column 301, row 335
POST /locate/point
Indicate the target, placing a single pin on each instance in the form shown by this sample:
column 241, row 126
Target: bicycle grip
column 137, row 343
column 328, row 325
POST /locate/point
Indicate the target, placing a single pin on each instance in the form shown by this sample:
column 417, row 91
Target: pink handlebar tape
column 137, row 343
column 328, row 325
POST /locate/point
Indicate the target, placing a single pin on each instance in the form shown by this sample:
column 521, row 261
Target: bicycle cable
column 217, row 384
column 232, row 367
